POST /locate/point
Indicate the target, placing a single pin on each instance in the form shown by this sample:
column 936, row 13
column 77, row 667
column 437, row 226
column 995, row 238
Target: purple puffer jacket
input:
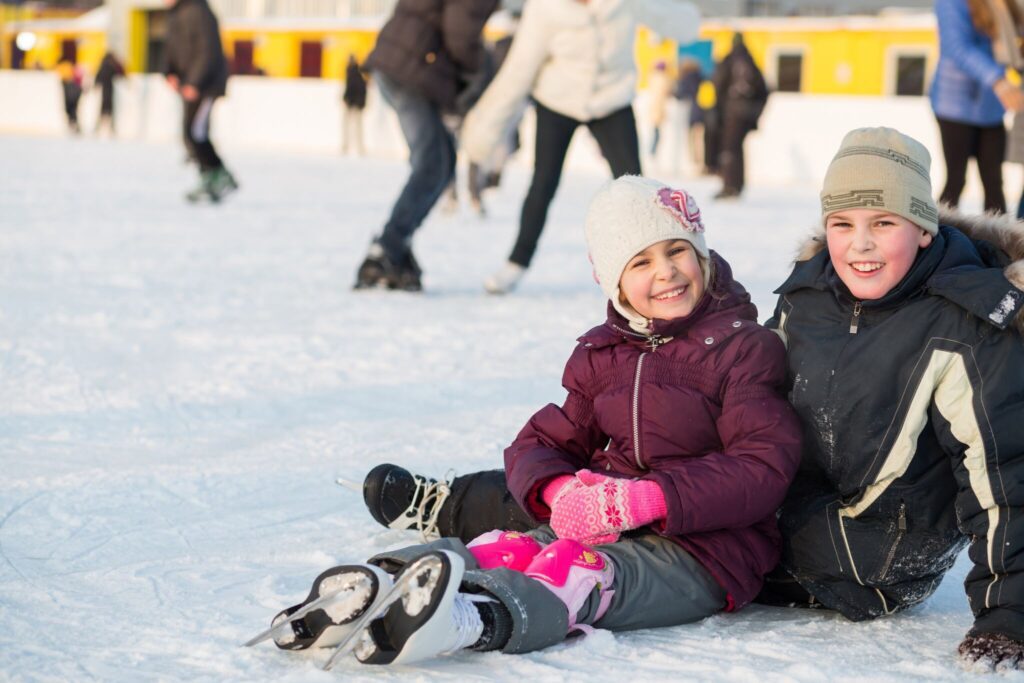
column 702, row 415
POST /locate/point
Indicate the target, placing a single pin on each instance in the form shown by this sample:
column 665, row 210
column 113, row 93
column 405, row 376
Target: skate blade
column 407, row 578
column 349, row 484
column 297, row 614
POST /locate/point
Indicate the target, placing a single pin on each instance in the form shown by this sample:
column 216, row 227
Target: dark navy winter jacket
column 913, row 415
column 433, row 47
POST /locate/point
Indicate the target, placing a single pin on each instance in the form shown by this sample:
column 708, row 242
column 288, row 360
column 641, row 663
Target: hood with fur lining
column 1002, row 231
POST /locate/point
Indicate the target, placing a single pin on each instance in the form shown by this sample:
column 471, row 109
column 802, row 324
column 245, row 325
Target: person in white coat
column 575, row 59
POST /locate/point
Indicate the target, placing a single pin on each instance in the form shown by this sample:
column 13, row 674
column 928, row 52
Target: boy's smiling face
column 663, row 281
column 872, row 250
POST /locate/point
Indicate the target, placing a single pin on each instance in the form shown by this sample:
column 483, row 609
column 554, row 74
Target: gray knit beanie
column 629, row 214
column 881, row 168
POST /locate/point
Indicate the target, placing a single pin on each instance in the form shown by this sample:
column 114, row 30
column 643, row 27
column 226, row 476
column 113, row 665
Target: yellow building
column 882, row 55
column 886, row 55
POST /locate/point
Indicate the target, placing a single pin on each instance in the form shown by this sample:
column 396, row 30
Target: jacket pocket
column 896, row 533
column 864, row 543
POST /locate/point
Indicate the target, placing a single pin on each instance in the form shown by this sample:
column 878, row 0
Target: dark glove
column 995, row 649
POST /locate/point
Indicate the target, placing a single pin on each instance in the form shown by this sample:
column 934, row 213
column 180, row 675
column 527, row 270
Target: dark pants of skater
column 960, row 142
column 481, row 502
column 197, row 133
column 431, row 156
column 617, row 139
column 735, row 128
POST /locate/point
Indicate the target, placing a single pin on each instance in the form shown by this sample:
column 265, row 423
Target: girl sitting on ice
column 659, row 476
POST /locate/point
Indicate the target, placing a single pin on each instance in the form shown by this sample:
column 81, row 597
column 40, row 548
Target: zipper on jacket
column 901, row 530
column 855, row 321
column 653, row 340
column 636, row 411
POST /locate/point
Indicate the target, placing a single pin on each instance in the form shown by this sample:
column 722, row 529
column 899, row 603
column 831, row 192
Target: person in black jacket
column 740, row 96
column 110, row 69
column 198, row 70
column 354, row 98
column 905, row 357
column 425, row 54
column 904, row 361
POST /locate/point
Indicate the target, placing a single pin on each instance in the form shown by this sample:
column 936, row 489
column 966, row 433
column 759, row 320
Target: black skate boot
column 339, row 596
column 378, row 271
column 398, row 499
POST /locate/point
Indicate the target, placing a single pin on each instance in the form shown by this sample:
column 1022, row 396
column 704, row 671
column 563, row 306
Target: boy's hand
column 996, row 650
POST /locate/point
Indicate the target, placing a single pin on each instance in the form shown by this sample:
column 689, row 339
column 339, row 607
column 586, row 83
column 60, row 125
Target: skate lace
column 467, row 626
column 423, row 515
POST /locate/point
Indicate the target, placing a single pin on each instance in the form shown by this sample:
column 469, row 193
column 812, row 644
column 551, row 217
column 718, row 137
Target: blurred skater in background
column 71, row 85
column 423, row 59
column 110, row 70
column 553, row 59
column 740, row 96
column 687, row 87
column 198, row 70
column 354, row 99
column 970, row 94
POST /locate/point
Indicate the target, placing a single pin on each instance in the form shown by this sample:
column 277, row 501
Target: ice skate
column 214, row 185
column 431, row 617
column 204, row 192
column 223, row 182
column 378, row 271
column 339, row 596
column 506, row 279
column 398, row 499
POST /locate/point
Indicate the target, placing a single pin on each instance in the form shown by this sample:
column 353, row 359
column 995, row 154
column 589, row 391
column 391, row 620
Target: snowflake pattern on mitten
column 596, row 512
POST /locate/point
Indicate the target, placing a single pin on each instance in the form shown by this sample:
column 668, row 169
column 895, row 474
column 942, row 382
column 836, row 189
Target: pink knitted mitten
column 596, row 512
column 558, row 487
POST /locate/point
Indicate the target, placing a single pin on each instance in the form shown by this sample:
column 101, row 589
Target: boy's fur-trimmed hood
column 1002, row 231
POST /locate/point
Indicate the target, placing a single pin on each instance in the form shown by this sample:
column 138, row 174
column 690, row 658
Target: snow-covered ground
column 180, row 385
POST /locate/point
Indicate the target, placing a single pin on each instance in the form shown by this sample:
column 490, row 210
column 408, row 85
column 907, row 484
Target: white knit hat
column 629, row 214
column 881, row 168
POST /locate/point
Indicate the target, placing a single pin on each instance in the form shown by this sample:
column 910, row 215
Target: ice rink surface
column 180, row 385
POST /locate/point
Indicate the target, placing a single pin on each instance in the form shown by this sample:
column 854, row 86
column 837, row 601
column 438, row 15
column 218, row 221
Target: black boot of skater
column 461, row 507
column 398, row 499
column 379, row 271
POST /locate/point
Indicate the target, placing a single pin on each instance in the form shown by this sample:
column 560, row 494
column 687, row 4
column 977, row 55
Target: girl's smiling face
column 663, row 281
column 872, row 250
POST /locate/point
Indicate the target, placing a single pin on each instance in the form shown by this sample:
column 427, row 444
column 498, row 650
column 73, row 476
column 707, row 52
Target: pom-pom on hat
column 881, row 168
column 629, row 214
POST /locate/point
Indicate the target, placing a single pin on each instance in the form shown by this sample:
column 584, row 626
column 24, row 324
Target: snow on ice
column 181, row 385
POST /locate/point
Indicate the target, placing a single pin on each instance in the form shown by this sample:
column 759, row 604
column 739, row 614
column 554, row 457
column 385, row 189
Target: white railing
column 302, row 9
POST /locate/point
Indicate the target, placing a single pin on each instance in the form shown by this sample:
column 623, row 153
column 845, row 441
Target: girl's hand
column 602, row 507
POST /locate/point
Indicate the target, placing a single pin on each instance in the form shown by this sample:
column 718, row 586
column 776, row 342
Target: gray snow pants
column 657, row 583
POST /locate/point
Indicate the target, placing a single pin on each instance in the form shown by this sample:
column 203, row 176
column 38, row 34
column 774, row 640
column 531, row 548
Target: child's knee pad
column 571, row 571
column 509, row 549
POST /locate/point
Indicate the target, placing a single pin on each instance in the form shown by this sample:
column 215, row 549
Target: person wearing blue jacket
column 970, row 94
